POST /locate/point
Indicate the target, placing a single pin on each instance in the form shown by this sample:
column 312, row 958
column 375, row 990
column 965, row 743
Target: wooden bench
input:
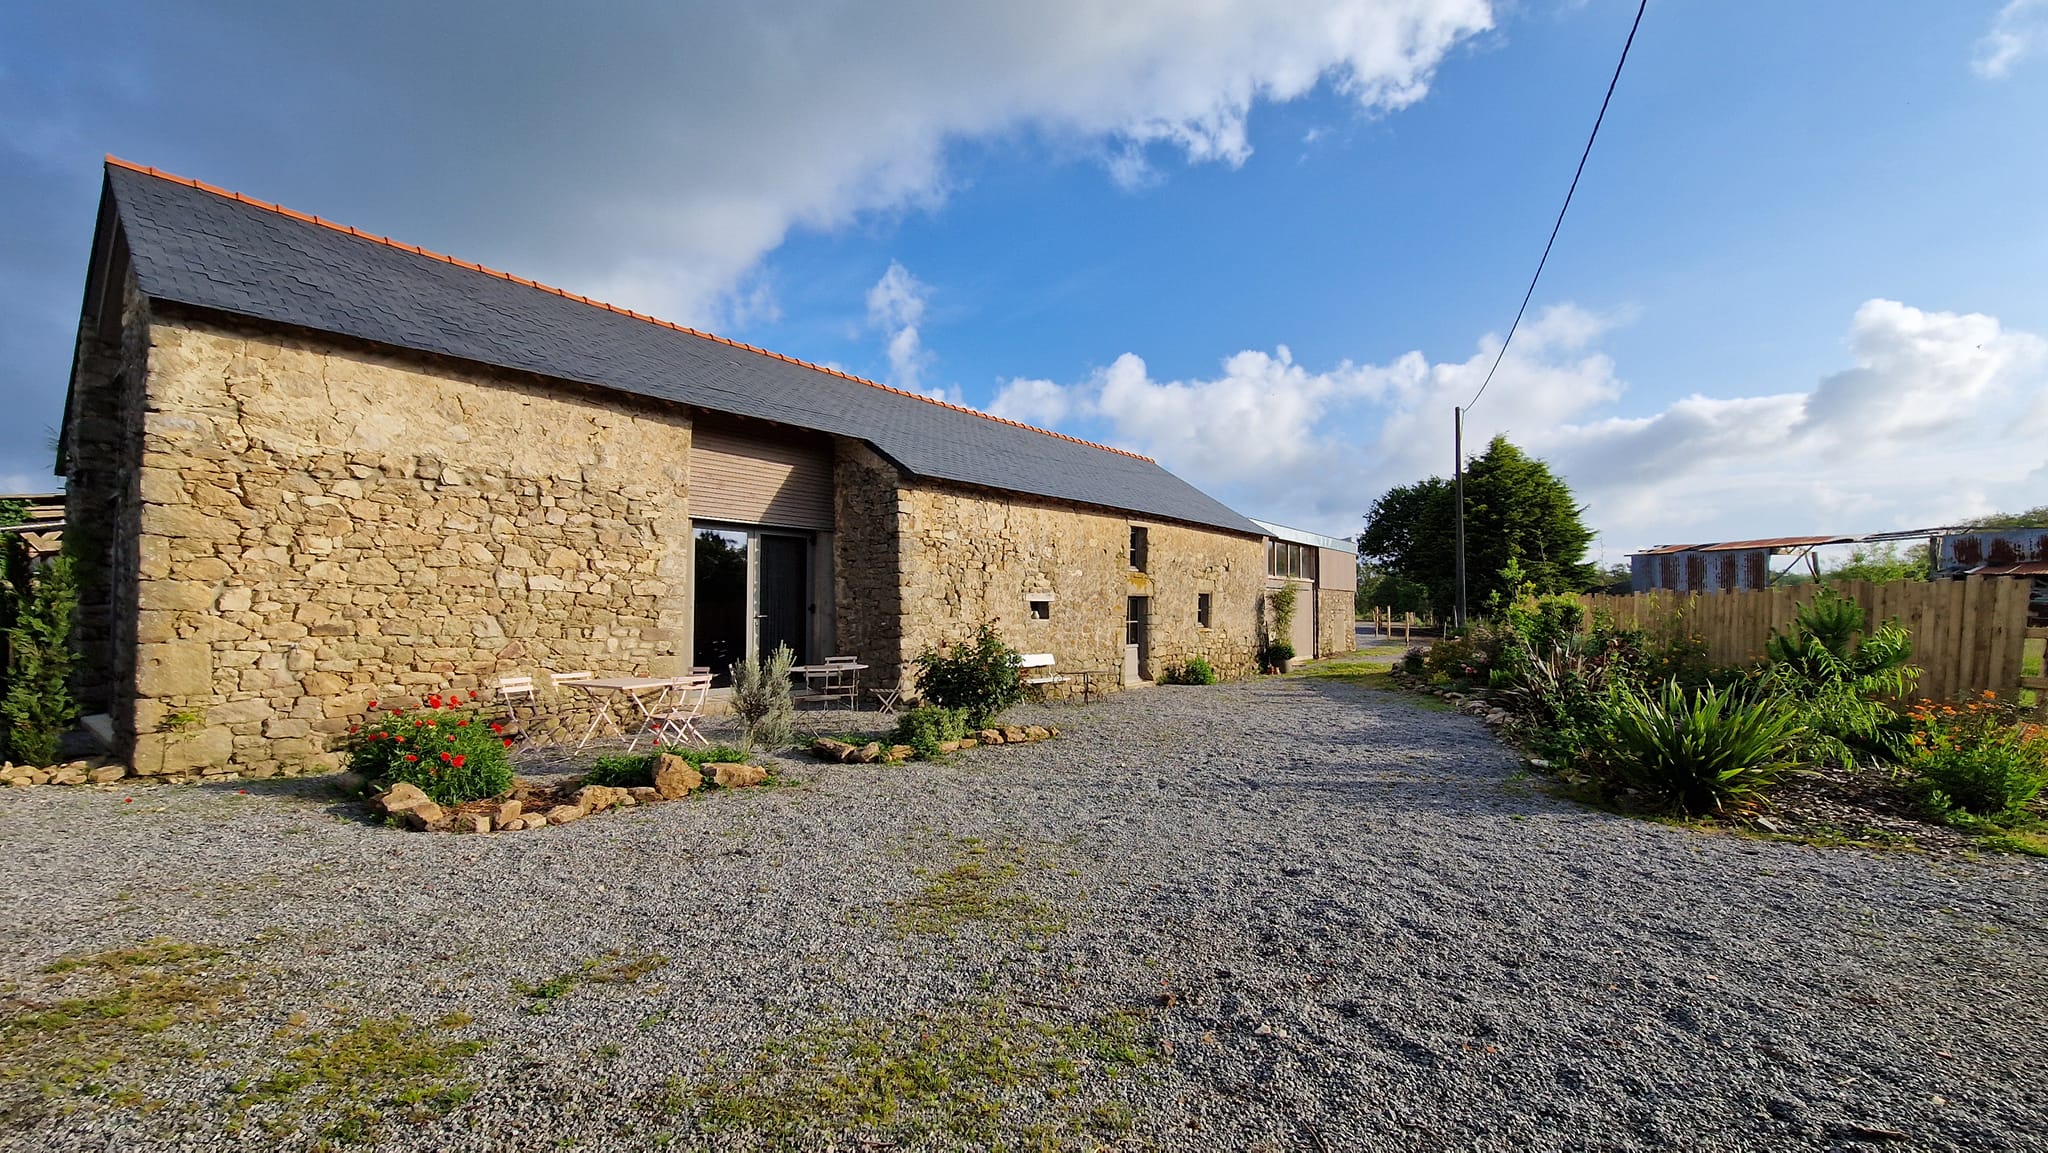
column 1035, row 673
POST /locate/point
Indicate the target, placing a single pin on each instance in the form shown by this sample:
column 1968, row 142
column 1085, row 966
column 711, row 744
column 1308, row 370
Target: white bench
column 1034, row 672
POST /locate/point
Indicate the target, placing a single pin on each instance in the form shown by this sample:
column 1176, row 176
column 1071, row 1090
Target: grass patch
column 636, row 770
column 2025, row 842
column 609, row 969
column 103, row 1022
column 981, row 1075
column 979, row 887
column 347, row 1084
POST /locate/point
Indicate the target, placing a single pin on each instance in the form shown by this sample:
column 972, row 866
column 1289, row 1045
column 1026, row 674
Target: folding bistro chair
column 841, row 681
column 514, row 694
column 890, row 699
column 674, row 720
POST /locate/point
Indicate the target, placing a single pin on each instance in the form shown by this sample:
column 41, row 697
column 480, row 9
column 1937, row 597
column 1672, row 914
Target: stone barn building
column 309, row 467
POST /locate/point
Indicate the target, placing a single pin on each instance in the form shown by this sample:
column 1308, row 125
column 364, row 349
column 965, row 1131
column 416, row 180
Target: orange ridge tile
column 612, row 308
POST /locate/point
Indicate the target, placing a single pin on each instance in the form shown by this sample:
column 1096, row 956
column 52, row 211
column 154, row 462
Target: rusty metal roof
column 1775, row 542
column 1665, row 548
column 2024, row 568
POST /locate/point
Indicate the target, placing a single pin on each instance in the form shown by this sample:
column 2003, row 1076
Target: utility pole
column 1458, row 470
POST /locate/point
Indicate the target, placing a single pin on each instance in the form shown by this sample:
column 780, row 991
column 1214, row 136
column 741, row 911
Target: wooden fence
column 1969, row 636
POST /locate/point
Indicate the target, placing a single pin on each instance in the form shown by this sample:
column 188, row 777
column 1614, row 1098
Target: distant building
column 1727, row 566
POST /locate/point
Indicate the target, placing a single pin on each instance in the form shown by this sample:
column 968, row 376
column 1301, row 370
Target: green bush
column 762, row 702
column 1198, row 671
column 1414, row 662
column 1975, row 758
column 452, row 753
column 636, row 770
column 979, row 677
column 924, row 728
column 1699, row 753
column 1275, row 655
column 1841, row 677
column 36, row 609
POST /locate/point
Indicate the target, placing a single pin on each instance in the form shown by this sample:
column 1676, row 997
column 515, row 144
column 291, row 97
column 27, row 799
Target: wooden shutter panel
column 755, row 480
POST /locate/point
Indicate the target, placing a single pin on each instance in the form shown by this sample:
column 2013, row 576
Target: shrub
column 1699, row 753
column 636, row 770
column 452, row 753
column 1839, row 674
column 1974, row 757
column 978, row 677
column 924, row 728
column 762, row 702
column 1413, row 661
column 1198, row 671
column 1275, row 655
column 36, row 609
column 1565, row 699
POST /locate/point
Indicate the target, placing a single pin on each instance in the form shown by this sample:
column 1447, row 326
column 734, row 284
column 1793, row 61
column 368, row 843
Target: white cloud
column 1032, row 401
column 2020, row 29
column 896, row 306
column 695, row 137
column 1938, row 417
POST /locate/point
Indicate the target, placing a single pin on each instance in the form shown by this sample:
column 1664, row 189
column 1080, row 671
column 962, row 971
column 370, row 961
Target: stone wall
column 322, row 525
column 967, row 556
column 867, row 561
column 1336, row 621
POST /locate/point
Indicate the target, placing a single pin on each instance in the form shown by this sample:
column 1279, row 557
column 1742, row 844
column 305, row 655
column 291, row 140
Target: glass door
column 752, row 593
column 721, row 608
column 783, row 608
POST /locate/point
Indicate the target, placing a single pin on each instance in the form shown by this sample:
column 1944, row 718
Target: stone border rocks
column 845, row 752
column 533, row 805
column 90, row 771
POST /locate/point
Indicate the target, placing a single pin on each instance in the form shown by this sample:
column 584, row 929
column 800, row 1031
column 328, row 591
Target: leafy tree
column 1882, row 564
column 37, row 603
column 2036, row 517
column 1516, row 511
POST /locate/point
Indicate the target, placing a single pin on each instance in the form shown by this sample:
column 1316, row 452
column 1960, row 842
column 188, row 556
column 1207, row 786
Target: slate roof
column 210, row 249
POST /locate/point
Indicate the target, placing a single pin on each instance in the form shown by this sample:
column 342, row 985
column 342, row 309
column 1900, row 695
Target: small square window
column 1140, row 546
column 1041, row 608
column 1202, row 609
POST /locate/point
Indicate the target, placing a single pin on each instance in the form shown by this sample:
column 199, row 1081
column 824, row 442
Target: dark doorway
column 785, row 607
column 721, row 602
column 1138, row 639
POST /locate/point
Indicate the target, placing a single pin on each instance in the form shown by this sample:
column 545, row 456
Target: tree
column 2027, row 518
column 1516, row 510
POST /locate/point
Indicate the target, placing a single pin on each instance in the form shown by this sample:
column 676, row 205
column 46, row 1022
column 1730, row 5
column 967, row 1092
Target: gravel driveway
column 1278, row 915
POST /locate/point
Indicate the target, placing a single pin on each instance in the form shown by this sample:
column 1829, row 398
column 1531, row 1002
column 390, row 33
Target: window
column 1287, row 559
column 1041, row 608
column 1140, row 546
column 1202, row 609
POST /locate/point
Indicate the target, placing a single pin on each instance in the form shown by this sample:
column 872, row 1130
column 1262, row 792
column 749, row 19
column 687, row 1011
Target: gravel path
column 1334, row 919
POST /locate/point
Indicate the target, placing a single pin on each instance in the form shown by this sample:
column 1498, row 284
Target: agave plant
column 1704, row 752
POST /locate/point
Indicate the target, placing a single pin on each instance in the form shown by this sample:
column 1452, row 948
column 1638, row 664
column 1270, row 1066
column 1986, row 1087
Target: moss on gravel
column 980, row 1075
column 980, row 886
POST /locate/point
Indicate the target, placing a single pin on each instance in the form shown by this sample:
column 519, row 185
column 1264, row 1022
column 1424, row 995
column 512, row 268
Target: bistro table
column 648, row 694
column 1084, row 684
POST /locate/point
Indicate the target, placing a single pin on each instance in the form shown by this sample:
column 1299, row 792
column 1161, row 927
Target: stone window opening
column 1041, row 608
column 1140, row 547
column 1202, row 610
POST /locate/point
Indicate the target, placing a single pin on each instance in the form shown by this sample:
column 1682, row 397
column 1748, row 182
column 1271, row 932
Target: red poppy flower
column 434, row 701
column 508, row 742
column 412, row 756
column 463, row 724
column 444, row 756
column 496, row 727
column 456, row 760
column 398, row 740
column 373, row 704
column 472, row 694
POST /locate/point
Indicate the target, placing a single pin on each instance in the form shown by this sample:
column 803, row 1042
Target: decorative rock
column 404, row 796
column 623, row 798
column 675, row 777
column 596, row 798
column 563, row 814
column 827, row 749
column 969, row 743
column 868, row 753
column 38, row 777
column 507, row 813
column 1013, row 735
column 950, row 746
column 480, row 824
column 897, row 754
column 730, row 775
column 1037, row 732
column 535, row 820
column 989, row 736
column 425, row 815
column 68, row 776
column 646, row 795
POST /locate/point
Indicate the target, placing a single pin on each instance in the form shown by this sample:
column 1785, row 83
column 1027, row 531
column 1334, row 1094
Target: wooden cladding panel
column 759, row 480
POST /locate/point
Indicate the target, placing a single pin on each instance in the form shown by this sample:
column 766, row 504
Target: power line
column 1640, row 8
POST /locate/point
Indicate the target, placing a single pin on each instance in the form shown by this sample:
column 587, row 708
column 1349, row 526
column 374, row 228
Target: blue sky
column 1801, row 288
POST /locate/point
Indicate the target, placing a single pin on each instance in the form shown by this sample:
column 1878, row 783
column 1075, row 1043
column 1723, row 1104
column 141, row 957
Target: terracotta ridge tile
column 416, row 250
